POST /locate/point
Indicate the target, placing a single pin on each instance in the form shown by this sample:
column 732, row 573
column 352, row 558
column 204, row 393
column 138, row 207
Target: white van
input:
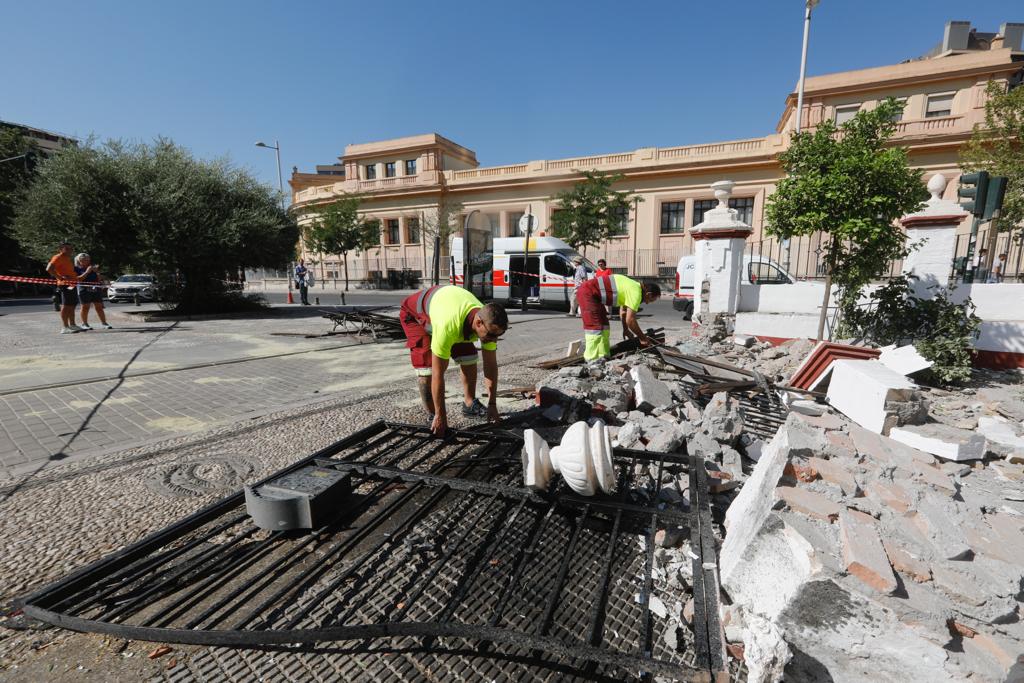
column 757, row 270
column 546, row 272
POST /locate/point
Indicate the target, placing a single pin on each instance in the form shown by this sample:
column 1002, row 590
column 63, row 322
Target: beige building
column 404, row 181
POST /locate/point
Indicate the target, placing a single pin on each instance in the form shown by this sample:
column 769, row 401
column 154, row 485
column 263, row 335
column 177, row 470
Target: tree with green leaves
column 156, row 208
column 337, row 228
column 847, row 183
column 16, row 173
column 998, row 147
column 591, row 210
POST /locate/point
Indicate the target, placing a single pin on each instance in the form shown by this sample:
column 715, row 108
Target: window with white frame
column 845, row 113
column 939, row 105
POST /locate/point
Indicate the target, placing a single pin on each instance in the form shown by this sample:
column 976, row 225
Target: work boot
column 474, row 409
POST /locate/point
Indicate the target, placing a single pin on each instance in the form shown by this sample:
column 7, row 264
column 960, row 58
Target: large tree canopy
column 591, row 211
column 16, row 173
column 337, row 228
column 156, row 208
column 998, row 147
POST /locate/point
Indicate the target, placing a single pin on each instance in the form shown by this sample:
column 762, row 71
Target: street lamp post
column 808, row 6
column 280, row 186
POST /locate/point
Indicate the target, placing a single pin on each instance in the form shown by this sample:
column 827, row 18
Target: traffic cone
column 291, row 299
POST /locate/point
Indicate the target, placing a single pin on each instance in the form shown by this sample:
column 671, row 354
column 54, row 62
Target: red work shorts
column 592, row 305
column 415, row 324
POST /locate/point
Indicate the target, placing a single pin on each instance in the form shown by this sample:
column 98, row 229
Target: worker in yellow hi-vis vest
column 612, row 290
column 441, row 324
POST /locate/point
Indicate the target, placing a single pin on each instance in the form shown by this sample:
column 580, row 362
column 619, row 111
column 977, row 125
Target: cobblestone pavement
column 112, row 393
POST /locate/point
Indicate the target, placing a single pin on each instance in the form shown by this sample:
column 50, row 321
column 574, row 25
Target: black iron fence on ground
column 802, row 257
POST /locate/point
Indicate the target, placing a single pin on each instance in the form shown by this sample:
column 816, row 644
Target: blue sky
column 513, row 81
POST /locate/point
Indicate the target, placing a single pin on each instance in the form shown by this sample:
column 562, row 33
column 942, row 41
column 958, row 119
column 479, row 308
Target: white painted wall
column 780, row 325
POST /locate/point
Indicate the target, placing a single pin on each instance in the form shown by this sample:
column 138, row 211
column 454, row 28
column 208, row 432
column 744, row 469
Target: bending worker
column 441, row 324
column 613, row 290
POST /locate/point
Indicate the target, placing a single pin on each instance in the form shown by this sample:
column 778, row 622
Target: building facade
column 404, row 182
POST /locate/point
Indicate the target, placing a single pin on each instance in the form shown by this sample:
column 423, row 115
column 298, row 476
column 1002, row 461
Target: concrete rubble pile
column 883, row 544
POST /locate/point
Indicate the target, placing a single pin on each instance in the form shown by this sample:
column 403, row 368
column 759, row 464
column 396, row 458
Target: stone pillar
column 932, row 231
column 718, row 244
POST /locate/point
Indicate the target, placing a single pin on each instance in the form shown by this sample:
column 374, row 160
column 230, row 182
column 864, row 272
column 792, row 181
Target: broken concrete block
column 826, row 421
column 609, row 394
column 810, row 503
column 995, row 657
column 979, row 589
column 723, row 418
column 891, row 494
column 629, row 435
column 744, row 340
column 841, row 635
column 650, row 391
column 804, row 439
column 806, row 407
column 765, row 650
column 752, row 446
column 999, row 430
column 942, row 440
column 905, row 562
column 835, row 472
column 575, row 348
column 668, row 439
column 732, row 462
column 908, row 411
column 940, row 522
column 905, row 359
column 860, row 390
column 863, row 553
column 703, row 445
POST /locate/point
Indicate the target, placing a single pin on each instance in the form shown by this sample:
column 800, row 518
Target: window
column 619, row 220
column 844, row 114
column 939, row 105
column 513, row 223
column 766, row 274
column 389, row 169
column 744, row 207
column 371, row 171
column 391, row 226
column 902, row 101
column 410, row 167
column 495, row 220
column 701, row 207
column 673, row 214
column 557, row 265
column 412, row 230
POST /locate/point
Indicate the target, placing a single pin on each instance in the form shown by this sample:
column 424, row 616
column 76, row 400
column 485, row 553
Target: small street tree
column 337, row 228
column 156, row 208
column 847, row 183
column 998, row 147
column 439, row 228
column 591, row 211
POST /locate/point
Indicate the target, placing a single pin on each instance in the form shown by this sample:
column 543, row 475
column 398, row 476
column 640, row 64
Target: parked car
column 757, row 270
column 127, row 287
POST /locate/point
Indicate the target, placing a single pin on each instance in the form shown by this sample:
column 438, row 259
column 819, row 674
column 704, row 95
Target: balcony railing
column 922, row 126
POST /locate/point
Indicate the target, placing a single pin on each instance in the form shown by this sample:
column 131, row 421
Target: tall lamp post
column 808, row 6
column 280, row 186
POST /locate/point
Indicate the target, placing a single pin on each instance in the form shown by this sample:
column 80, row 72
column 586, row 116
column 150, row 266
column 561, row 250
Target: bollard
column 343, row 298
column 316, row 300
column 137, row 301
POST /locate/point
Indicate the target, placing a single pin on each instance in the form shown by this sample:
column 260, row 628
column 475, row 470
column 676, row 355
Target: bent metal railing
column 438, row 539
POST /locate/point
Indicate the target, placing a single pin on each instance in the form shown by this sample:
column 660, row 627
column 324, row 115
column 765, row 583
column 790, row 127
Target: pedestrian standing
column 579, row 276
column 604, row 271
column 998, row 269
column 90, row 294
column 301, row 282
column 62, row 268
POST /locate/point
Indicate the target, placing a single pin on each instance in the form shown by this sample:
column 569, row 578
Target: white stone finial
column 723, row 190
column 936, row 186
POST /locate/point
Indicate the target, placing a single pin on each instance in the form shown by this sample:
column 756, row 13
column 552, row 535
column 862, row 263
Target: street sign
column 527, row 223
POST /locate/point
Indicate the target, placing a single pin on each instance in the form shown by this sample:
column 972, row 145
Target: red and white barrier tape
column 51, row 282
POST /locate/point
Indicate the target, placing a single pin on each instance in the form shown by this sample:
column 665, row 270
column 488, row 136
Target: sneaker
column 84, row 326
column 76, row 328
column 107, row 326
column 67, row 330
column 475, row 409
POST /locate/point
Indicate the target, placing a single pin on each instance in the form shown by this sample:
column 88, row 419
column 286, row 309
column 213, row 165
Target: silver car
column 127, row 287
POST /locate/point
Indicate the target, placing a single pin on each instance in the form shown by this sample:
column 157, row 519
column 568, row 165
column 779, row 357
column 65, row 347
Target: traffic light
column 974, row 188
column 994, row 198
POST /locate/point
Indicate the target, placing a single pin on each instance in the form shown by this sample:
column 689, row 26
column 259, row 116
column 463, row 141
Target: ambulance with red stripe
column 545, row 269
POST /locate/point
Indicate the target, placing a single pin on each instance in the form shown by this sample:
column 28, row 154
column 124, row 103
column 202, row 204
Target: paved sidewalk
column 108, row 405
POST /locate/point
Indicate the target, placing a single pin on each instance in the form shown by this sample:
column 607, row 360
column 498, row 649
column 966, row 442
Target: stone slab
column 837, row 473
column 650, row 391
column 860, row 390
column 863, row 553
column 810, row 503
column 942, row 440
column 904, row 359
column 905, row 562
